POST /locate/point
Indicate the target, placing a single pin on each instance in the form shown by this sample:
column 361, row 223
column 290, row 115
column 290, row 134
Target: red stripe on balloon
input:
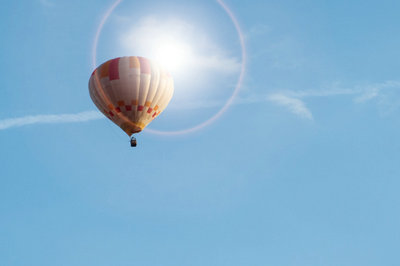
column 113, row 69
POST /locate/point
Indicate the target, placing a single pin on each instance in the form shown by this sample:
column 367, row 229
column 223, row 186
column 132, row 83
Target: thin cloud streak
column 296, row 106
column 385, row 93
column 50, row 119
column 363, row 93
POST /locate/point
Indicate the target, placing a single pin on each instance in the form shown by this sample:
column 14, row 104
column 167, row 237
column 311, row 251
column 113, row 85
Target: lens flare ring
column 230, row 100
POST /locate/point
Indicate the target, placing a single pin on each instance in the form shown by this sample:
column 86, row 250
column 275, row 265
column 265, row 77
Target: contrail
column 50, row 119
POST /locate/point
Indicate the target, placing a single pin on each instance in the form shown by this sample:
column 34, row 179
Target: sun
column 167, row 42
column 173, row 55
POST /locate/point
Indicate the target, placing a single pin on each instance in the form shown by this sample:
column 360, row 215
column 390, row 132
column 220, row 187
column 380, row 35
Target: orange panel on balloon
column 134, row 62
column 104, row 69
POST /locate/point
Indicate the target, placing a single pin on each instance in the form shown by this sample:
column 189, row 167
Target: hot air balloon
column 131, row 91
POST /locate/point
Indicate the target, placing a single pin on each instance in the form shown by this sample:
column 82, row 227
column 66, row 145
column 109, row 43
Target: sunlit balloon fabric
column 131, row 91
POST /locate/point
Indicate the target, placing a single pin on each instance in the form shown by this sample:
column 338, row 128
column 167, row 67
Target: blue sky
column 301, row 170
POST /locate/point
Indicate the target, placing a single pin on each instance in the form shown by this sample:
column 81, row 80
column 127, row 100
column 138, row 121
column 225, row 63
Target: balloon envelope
column 131, row 91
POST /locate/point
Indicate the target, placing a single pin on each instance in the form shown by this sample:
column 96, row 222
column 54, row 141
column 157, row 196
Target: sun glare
column 166, row 42
column 185, row 51
column 172, row 55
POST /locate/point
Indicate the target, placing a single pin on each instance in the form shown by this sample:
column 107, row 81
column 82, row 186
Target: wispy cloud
column 386, row 94
column 377, row 90
column 294, row 105
column 50, row 119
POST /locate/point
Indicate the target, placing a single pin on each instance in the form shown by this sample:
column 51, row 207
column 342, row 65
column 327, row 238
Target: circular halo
column 230, row 100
